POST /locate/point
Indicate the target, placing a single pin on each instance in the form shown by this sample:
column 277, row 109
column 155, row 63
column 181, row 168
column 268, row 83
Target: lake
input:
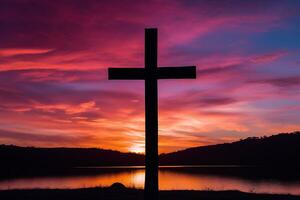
column 170, row 178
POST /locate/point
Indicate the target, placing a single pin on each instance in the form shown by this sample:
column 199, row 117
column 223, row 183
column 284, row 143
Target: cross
column 151, row 73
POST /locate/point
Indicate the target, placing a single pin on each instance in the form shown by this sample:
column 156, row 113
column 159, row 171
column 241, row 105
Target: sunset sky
column 54, row 57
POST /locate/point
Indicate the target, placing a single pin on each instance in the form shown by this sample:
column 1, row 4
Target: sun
column 137, row 148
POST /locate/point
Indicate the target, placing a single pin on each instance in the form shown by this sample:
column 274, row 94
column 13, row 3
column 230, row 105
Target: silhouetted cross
column 151, row 73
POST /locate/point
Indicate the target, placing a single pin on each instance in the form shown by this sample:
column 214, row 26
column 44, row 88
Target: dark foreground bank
column 122, row 193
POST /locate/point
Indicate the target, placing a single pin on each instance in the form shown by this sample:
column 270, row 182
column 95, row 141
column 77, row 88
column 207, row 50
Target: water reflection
column 169, row 179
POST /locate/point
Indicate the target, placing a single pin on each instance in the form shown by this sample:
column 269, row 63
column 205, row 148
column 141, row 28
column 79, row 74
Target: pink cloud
column 14, row 52
column 268, row 57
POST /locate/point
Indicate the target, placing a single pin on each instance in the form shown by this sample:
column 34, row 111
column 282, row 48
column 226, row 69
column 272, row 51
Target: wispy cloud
column 15, row 52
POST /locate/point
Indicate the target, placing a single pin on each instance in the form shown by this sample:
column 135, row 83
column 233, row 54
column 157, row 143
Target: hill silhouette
column 281, row 149
column 31, row 161
column 276, row 150
column 66, row 157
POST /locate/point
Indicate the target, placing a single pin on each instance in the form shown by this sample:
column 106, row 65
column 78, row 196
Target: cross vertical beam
column 151, row 114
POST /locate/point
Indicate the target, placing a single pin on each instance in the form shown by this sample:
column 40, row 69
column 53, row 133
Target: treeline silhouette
column 276, row 150
column 31, row 161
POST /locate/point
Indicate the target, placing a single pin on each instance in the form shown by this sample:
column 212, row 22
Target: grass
column 118, row 193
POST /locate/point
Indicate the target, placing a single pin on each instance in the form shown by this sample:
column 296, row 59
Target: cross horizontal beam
column 187, row 72
column 126, row 74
